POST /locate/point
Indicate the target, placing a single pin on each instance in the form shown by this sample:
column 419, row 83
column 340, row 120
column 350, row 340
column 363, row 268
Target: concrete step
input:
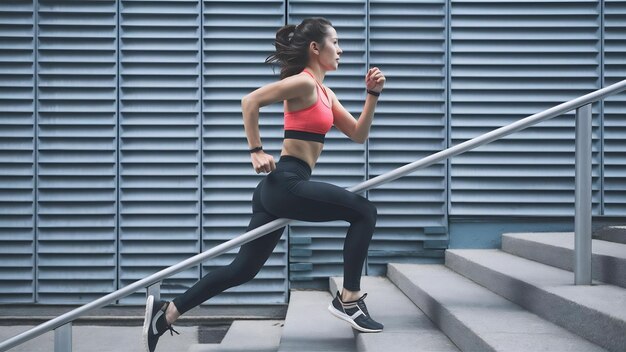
column 247, row 335
column 596, row 312
column 407, row 328
column 615, row 234
column 309, row 326
column 477, row 319
column 557, row 249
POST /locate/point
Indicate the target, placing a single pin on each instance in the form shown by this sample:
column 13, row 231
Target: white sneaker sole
column 146, row 322
column 347, row 319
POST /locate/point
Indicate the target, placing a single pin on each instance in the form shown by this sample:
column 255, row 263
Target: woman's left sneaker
column 355, row 313
column 155, row 324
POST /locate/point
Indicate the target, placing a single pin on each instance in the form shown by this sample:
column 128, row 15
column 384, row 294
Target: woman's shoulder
column 300, row 80
column 300, row 84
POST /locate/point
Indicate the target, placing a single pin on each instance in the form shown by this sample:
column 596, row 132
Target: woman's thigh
column 314, row 201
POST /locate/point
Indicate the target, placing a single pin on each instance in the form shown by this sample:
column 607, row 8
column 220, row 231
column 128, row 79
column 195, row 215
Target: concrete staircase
column 520, row 298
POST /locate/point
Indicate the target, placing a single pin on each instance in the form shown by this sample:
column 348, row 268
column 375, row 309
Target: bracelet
column 376, row 94
column 256, row 149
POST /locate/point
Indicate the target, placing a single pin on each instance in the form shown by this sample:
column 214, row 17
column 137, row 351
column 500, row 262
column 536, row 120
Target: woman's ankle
column 171, row 314
column 349, row 296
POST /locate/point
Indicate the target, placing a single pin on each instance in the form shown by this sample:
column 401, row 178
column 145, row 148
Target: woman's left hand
column 374, row 80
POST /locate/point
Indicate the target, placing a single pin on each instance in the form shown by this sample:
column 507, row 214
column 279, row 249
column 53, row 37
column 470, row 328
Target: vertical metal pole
column 582, row 222
column 155, row 290
column 63, row 338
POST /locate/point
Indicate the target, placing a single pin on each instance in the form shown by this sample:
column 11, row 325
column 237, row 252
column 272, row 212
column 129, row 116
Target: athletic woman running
column 305, row 53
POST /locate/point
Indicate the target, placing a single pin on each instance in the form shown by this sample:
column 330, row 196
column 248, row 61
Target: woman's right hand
column 262, row 162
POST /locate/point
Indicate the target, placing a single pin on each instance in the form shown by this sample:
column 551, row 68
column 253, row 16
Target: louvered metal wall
column 615, row 109
column 122, row 145
column 510, row 60
column 407, row 39
column 159, row 140
column 17, row 151
column 76, row 150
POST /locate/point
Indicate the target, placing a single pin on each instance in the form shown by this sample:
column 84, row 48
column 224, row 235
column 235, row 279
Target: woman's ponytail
column 284, row 35
column 292, row 45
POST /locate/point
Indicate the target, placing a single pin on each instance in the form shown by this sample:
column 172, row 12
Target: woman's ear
column 314, row 48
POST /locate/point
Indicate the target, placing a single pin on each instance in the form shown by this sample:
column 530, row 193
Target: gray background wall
column 122, row 146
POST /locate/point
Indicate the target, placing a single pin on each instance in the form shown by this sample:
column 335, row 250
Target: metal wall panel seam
column 287, row 232
column 201, row 137
column 447, row 111
column 117, row 152
column 367, row 142
column 36, row 150
column 601, row 131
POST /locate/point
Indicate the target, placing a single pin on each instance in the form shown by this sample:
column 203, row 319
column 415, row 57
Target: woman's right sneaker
column 155, row 324
column 355, row 313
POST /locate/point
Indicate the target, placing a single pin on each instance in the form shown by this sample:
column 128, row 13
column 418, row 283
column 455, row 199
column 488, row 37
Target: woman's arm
column 288, row 88
column 358, row 130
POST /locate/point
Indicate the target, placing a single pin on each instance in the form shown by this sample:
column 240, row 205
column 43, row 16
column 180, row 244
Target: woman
column 305, row 53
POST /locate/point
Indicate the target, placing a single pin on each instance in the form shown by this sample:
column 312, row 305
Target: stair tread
column 606, row 299
column 557, row 249
column 615, row 234
column 500, row 323
column 247, row 335
column 249, row 332
column 566, row 240
column 406, row 326
column 309, row 326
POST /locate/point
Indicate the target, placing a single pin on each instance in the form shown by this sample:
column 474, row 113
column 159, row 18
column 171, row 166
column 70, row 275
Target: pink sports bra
column 312, row 123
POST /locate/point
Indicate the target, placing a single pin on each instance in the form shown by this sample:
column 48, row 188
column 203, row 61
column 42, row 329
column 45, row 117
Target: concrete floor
column 103, row 339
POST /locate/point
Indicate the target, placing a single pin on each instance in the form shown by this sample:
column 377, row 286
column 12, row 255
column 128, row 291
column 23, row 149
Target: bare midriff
column 304, row 150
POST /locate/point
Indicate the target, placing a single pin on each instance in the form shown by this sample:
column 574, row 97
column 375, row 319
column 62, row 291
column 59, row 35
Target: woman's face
column 330, row 52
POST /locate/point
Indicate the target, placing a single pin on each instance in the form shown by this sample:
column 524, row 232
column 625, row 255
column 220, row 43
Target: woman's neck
column 317, row 72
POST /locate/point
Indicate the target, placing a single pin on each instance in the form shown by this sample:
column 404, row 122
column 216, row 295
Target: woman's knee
column 368, row 212
column 241, row 272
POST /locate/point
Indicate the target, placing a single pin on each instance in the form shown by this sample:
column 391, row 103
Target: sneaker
column 154, row 324
column 355, row 313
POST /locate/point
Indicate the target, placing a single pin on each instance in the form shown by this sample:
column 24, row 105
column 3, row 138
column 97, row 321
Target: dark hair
column 292, row 45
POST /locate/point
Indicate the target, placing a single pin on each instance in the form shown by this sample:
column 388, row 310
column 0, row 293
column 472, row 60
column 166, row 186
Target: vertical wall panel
column 160, row 140
column 510, row 60
column 408, row 42
column 17, row 157
column 615, row 109
column 237, row 37
column 76, row 124
column 316, row 249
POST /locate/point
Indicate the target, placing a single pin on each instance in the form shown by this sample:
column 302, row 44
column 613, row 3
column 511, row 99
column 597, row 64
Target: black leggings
column 287, row 193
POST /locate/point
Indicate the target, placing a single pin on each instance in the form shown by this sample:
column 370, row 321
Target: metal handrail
column 583, row 114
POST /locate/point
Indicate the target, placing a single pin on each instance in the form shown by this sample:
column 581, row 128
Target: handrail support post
column 583, row 199
column 154, row 290
column 63, row 338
